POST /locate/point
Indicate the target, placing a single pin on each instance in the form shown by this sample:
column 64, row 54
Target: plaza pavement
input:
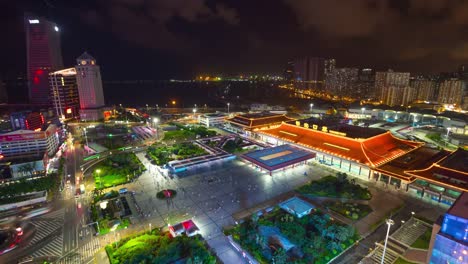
column 210, row 195
column 215, row 195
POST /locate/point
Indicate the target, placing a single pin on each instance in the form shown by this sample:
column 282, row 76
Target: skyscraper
column 43, row 56
column 64, row 93
column 88, row 78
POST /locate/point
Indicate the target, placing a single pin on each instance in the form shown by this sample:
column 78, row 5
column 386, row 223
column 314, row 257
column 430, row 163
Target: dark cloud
column 148, row 22
column 412, row 31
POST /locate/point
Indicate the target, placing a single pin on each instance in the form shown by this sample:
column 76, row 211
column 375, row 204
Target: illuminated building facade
column 34, row 121
column 341, row 81
column 390, row 85
column 88, row 78
column 64, row 93
column 44, row 55
column 376, row 155
column 425, row 88
column 451, row 92
column 246, row 123
column 449, row 242
column 25, row 143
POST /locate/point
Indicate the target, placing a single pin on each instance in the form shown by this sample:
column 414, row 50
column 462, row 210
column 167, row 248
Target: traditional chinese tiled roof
column 372, row 151
column 251, row 121
column 450, row 171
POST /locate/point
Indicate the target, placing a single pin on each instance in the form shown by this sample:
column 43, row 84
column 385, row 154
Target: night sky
column 162, row 39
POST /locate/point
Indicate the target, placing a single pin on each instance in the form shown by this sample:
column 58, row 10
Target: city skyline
column 164, row 40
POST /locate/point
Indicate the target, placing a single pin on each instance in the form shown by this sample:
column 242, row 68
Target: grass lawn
column 157, row 247
column 117, row 169
column 352, row 211
column 316, row 237
column 423, row 241
column 163, row 154
column 188, row 133
column 402, row 261
column 338, row 187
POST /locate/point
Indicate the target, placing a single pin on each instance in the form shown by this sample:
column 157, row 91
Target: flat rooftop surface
column 349, row 130
column 278, row 157
column 297, row 205
column 460, row 207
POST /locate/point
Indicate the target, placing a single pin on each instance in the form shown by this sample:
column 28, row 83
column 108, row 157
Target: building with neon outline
column 44, row 55
column 376, row 155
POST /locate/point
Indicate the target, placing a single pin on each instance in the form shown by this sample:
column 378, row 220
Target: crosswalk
column 83, row 255
column 88, row 250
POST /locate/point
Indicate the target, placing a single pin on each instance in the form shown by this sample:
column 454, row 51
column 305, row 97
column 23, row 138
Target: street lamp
column 150, row 227
column 311, row 108
column 389, row 223
column 362, row 111
column 228, row 104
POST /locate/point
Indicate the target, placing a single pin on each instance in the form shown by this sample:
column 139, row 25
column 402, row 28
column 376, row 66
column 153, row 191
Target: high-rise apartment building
column 44, row 55
column 341, row 81
column 364, row 87
column 64, row 93
column 330, row 65
column 425, row 88
column 309, row 72
column 88, row 78
column 390, row 85
column 451, row 91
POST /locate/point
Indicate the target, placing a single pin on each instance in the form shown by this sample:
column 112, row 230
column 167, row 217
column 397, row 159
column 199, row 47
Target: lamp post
column 311, row 108
column 362, row 112
column 389, row 223
column 228, row 104
column 150, row 227
column 194, row 111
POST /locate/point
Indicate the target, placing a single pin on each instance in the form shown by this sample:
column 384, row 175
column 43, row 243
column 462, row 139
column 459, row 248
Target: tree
column 280, row 257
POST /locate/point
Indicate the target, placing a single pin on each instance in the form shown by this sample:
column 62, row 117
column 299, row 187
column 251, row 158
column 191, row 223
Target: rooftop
column 449, row 171
column 417, row 159
column 460, row 207
column 297, row 205
column 349, row 130
column 255, row 120
column 373, row 151
column 278, row 157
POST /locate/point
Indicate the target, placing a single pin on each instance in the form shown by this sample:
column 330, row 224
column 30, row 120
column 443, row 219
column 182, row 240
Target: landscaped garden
column 338, row 187
column 158, row 247
column 233, row 145
column 163, row 154
column 110, row 211
column 117, row 169
column 278, row 237
column 423, row 241
column 188, row 133
column 354, row 211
